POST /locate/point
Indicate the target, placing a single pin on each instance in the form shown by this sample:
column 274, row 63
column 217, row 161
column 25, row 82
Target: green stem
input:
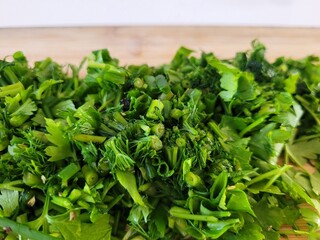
column 114, row 201
column 118, row 117
column 107, row 186
column 89, row 138
column 107, row 130
column 138, row 83
column 118, row 97
column 90, row 175
column 252, row 126
column 66, row 173
column 62, row 202
column 10, row 185
column 42, row 220
column 214, row 127
column 272, row 180
column 176, row 113
column 11, row 90
column 293, row 232
column 96, row 65
column 193, row 180
column 267, row 175
column 158, row 129
column 174, row 156
column 11, row 75
column 52, row 206
column 166, row 96
column 47, row 111
column 105, row 104
column 155, row 109
column 185, row 214
column 24, row 230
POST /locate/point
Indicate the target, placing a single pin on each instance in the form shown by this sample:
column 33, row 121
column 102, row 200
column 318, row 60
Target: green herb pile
column 200, row 148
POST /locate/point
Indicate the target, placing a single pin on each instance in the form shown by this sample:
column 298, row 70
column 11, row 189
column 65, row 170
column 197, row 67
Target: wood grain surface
column 155, row 45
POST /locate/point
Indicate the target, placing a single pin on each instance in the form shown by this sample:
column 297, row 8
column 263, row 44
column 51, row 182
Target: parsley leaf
column 56, row 135
column 8, row 202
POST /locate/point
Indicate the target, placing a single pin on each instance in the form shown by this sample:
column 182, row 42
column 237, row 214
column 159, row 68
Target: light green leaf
column 9, row 201
column 75, row 229
column 238, row 201
column 229, row 82
column 216, row 229
column 218, row 187
column 222, row 67
column 61, row 149
column 291, row 82
column 246, row 87
column 128, row 181
column 303, row 150
column 99, row 230
column 315, row 182
column 26, row 109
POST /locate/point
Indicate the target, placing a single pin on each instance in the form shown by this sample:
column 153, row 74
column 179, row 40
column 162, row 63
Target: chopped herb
column 199, row 148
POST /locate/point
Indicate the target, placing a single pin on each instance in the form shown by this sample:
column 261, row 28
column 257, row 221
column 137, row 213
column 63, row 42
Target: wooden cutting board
column 155, row 45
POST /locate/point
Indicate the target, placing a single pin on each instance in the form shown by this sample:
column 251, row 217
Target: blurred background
column 37, row 13
column 151, row 31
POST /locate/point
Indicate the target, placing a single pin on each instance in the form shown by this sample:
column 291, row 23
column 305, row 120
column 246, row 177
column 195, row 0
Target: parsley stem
column 293, row 232
column 163, row 169
column 66, row 173
column 185, row 214
column 89, row 138
column 11, row 185
column 158, row 129
column 194, row 180
column 138, row 83
column 252, row 126
column 11, row 75
column 214, row 127
column 24, row 230
column 107, row 130
column 96, row 65
column 172, row 155
column 274, row 174
column 155, row 108
column 107, row 186
column 90, row 175
column 118, row 117
column 114, row 202
column 11, row 90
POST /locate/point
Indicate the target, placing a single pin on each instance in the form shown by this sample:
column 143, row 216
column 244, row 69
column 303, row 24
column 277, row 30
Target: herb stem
column 275, row 172
column 11, row 90
column 24, row 230
column 11, row 185
column 89, row 138
column 252, row 126
column 185, row 214
column 214, row 127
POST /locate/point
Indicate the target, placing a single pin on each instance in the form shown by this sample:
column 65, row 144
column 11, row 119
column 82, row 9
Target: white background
column 43, row 13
